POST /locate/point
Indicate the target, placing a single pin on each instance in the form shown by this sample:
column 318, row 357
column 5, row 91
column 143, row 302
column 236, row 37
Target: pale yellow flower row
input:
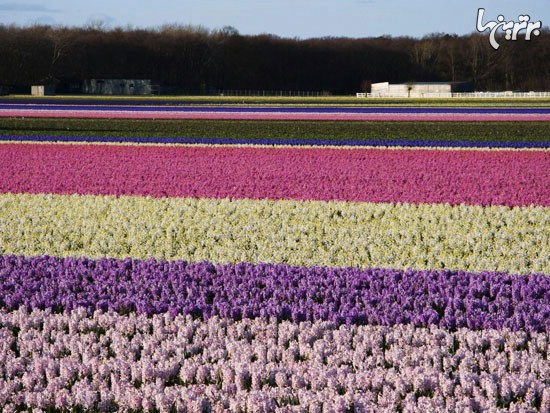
column 306, row 233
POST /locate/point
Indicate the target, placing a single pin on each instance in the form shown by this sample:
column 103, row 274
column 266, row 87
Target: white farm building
column 419, row 89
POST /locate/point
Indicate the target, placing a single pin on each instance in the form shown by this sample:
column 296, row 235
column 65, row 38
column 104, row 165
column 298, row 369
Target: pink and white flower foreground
column 108, row 361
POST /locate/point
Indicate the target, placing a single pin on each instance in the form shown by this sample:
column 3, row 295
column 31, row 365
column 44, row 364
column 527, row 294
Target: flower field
column 208, row 274
column 275, row 112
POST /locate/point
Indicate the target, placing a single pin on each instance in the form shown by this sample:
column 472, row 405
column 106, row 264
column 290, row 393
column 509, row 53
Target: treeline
column 185, row 59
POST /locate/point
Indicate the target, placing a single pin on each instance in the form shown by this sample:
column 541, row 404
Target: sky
column 285, row 18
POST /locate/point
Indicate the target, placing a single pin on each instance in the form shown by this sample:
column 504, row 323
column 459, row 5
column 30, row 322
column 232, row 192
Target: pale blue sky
column 285, row 18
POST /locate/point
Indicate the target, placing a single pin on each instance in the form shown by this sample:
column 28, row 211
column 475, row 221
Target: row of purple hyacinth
column 108, row 362
column 447, row 299
column 406, row 143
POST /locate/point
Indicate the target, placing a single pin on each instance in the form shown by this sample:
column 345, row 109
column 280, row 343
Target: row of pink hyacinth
column 107, row 361
column 153, row 114
column 474, row 177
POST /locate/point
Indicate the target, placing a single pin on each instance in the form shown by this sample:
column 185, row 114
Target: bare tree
column 62, row 39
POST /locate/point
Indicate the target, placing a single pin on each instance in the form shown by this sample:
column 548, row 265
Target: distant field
column 267, row 100
column 262, row 264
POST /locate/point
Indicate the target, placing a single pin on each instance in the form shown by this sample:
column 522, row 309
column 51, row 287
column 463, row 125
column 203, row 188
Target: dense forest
column 194, row 60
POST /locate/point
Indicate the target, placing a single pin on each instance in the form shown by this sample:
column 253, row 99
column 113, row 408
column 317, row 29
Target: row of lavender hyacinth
column 447, row 299
column 106, row 360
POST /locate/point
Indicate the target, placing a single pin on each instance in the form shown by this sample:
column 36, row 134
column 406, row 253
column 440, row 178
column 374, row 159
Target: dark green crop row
column 292, row 100
column 336, row 130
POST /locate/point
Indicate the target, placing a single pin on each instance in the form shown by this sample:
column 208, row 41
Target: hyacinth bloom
column 219, row 275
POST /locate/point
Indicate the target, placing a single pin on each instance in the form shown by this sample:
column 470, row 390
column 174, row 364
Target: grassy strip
column 333, row 130
column 293, row 100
